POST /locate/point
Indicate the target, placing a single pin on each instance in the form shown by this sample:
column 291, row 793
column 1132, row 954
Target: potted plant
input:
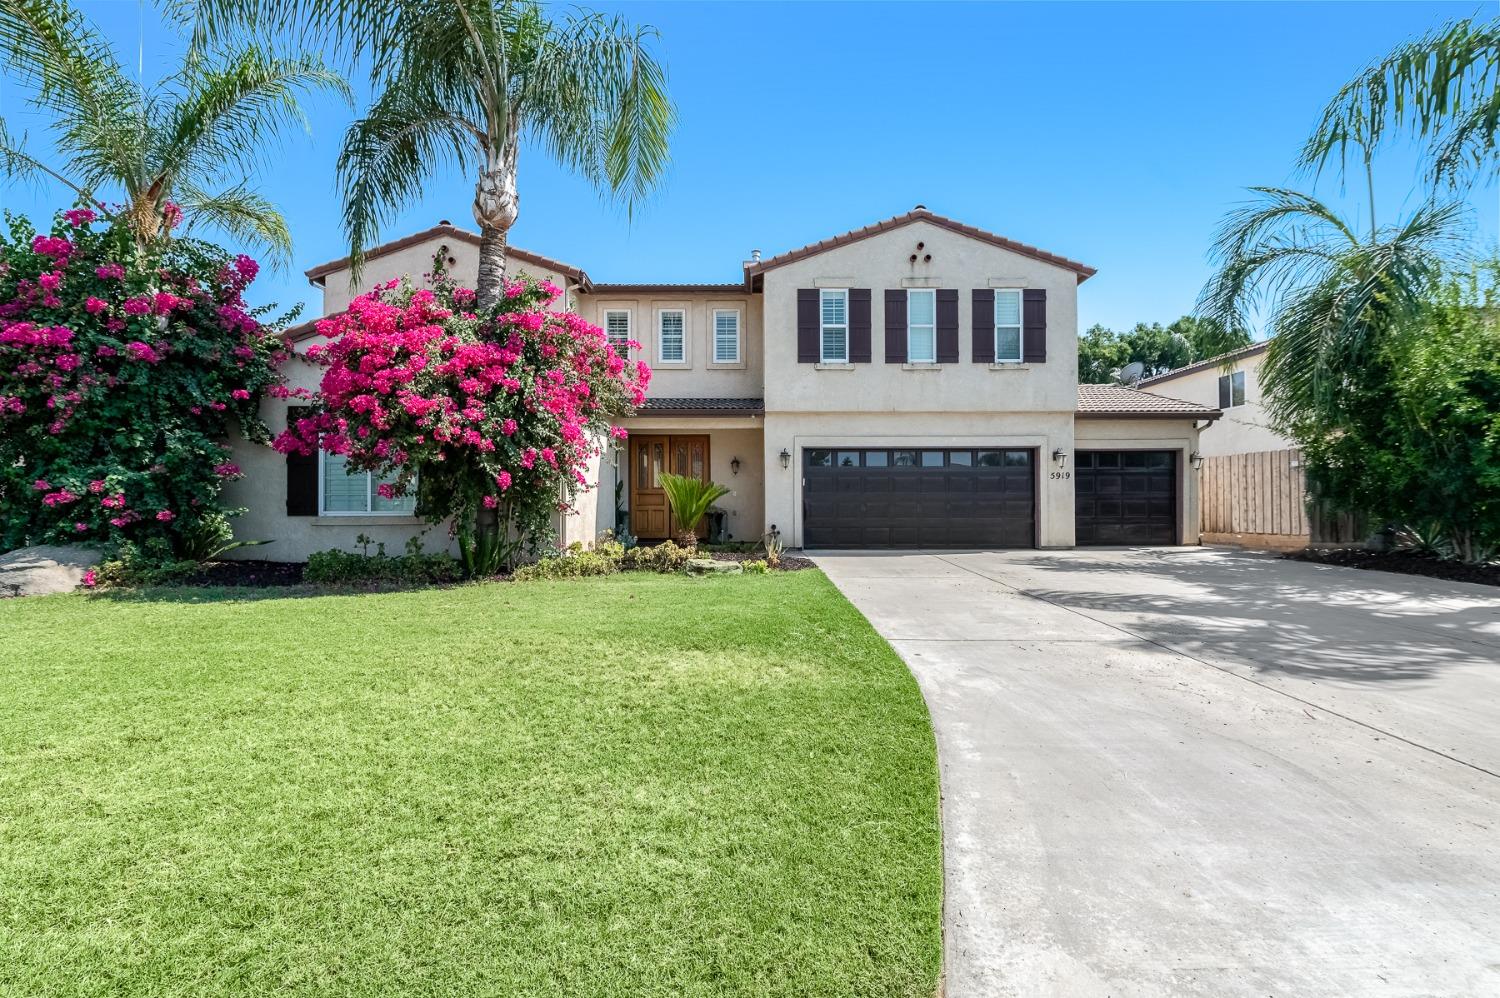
column 690, row 499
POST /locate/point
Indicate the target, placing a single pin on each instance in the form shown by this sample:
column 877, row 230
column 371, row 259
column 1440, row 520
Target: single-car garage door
column 1126, row 497
column 907, row 498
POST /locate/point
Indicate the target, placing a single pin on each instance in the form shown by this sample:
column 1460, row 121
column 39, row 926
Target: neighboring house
column 908, row 384
column 1252, row 487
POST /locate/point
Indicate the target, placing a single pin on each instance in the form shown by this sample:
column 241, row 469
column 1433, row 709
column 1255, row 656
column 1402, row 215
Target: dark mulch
column 246, row 573
column 789, row 563
column 1405, row 562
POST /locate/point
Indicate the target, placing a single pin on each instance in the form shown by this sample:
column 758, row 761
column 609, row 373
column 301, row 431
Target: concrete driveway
column 1189, row 771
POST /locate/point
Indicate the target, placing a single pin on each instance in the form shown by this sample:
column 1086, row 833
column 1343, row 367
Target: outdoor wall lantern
column 1196, row 460
column 734, row 465
column 1060, row 457
column 786, row 458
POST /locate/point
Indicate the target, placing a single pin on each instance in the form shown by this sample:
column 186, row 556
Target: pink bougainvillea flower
column 165, row 516
column 239, row 393
column 503, row 480
column 141, row 351
column 91, row 577
column 53, row 246
column 80, row 527
column 137, row 306
column 93, row 306
column 96, row 486
column 490, row 502
column 78, row 217
column 110, row 272
column 227, row 469
column 41, row 485
column 171, row 214
column 385, row 490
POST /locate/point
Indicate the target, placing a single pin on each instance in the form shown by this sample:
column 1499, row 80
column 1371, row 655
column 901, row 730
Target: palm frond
column 97, row 110
column 1444, row 87
column 388, row 157
column 228, row 113
column 18, row 164
column 240, row 213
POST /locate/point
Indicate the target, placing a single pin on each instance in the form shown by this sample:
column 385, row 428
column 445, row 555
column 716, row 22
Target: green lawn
column 636, row 785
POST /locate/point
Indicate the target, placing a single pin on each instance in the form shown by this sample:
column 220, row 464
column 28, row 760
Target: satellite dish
column 1131, row 373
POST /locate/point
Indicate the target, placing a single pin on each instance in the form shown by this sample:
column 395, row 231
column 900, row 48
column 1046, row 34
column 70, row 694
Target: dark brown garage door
column 908, row 498
column 1126, row 497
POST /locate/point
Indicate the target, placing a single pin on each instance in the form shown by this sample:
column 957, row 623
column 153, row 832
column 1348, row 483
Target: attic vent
column 755, row 255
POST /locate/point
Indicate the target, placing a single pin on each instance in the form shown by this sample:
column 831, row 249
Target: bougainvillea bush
column 121, row 374
column 490, row 420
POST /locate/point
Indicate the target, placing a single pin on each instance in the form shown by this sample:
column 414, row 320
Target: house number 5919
column 1064, row 475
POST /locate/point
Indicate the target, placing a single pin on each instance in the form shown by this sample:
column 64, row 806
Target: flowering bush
column 121, row 374
column 489, row 419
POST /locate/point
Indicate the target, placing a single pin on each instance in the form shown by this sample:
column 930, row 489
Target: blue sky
column 1116, row 134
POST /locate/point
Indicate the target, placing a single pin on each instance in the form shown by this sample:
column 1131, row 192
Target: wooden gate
column 1260, row 500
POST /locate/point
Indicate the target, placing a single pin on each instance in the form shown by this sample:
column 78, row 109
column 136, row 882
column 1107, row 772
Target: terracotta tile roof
column 1098, row 401
column 445, row 230
column 702, row 407
column 735, row 288
column 1249, row 351
column 921, row 214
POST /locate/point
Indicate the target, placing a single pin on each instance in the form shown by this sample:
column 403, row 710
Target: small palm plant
column 690, row 499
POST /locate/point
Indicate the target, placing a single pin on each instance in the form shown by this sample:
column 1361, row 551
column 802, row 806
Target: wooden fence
column 1260, row 500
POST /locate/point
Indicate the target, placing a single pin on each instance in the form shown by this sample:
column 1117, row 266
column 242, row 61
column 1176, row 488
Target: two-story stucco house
column 909, row 384
column 1231, row 383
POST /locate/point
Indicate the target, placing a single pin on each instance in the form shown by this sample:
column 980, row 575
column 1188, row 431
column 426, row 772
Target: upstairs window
column 835, row 326
column 345, row 493
column 1231, row 390
column 921, row 326
column 1008, row 326
column 617, row 328
column 671, row 341
column 726, row 336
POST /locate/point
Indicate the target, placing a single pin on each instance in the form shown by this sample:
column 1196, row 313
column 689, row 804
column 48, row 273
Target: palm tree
column 1443, row 88
column 468, row 80
column 189, row 142
column 1330, row 296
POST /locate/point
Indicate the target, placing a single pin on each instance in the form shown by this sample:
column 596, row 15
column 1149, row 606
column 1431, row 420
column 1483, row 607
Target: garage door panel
column 1126, row 497
column 918, row 498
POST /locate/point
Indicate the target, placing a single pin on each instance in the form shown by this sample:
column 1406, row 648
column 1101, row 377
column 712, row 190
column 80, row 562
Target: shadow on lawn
column 1277, row 616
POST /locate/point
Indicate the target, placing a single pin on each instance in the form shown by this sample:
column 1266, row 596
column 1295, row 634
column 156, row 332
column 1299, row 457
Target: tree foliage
column 1104, row 353
column 180, row 150
column 120, row 377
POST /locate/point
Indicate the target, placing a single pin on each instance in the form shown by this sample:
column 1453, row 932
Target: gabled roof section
column 1105, row 401
column 920, row 214
column 446, row 230
column 1198, row 365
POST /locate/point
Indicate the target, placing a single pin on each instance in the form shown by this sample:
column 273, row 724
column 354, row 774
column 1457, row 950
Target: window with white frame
column 921, row 326
column 726, row 336
column 671, row 340
column 345, row 493
column 1231, row 390
column 617, row 328
column 1007, row 325
column 834, row 329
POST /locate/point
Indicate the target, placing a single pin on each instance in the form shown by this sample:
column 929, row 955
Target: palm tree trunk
column 496, row 206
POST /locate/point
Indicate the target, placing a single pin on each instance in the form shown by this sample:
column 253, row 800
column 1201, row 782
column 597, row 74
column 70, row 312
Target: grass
column 635, row 785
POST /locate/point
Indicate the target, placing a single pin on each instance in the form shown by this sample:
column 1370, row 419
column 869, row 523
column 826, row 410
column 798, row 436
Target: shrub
column 757, row 567
column 149, row 563
column 121, row 374
column 336, row 567
column 663, row 557
column 690, row 499
column 491, row 420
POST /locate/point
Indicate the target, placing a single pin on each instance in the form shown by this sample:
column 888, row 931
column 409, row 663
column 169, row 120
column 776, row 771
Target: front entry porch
column 725, row 450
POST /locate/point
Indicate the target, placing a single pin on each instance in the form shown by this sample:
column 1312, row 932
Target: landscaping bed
column 1404, row 562
column 633, row 785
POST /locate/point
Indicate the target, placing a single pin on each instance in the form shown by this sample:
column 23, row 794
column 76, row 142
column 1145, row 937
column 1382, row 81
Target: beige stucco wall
column 1152, row 434
column 796, row 432
column 1244, row 429
column 881, row 262
column 461, row 258
column 698, row 376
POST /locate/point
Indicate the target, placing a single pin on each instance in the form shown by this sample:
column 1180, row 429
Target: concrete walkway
column 1187, row 771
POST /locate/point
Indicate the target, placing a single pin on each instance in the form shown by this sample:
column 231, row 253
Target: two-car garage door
column 909, row 498
column 862, row 497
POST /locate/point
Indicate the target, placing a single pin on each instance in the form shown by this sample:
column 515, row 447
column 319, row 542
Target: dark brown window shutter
column 947, row 326
column 1034, row 325
column 895, row 326
column 859, row 325
column 301, row 473
column 808, row 326
column 984, row 325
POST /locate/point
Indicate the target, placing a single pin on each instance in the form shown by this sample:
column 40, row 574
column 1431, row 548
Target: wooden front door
column 650, row 517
